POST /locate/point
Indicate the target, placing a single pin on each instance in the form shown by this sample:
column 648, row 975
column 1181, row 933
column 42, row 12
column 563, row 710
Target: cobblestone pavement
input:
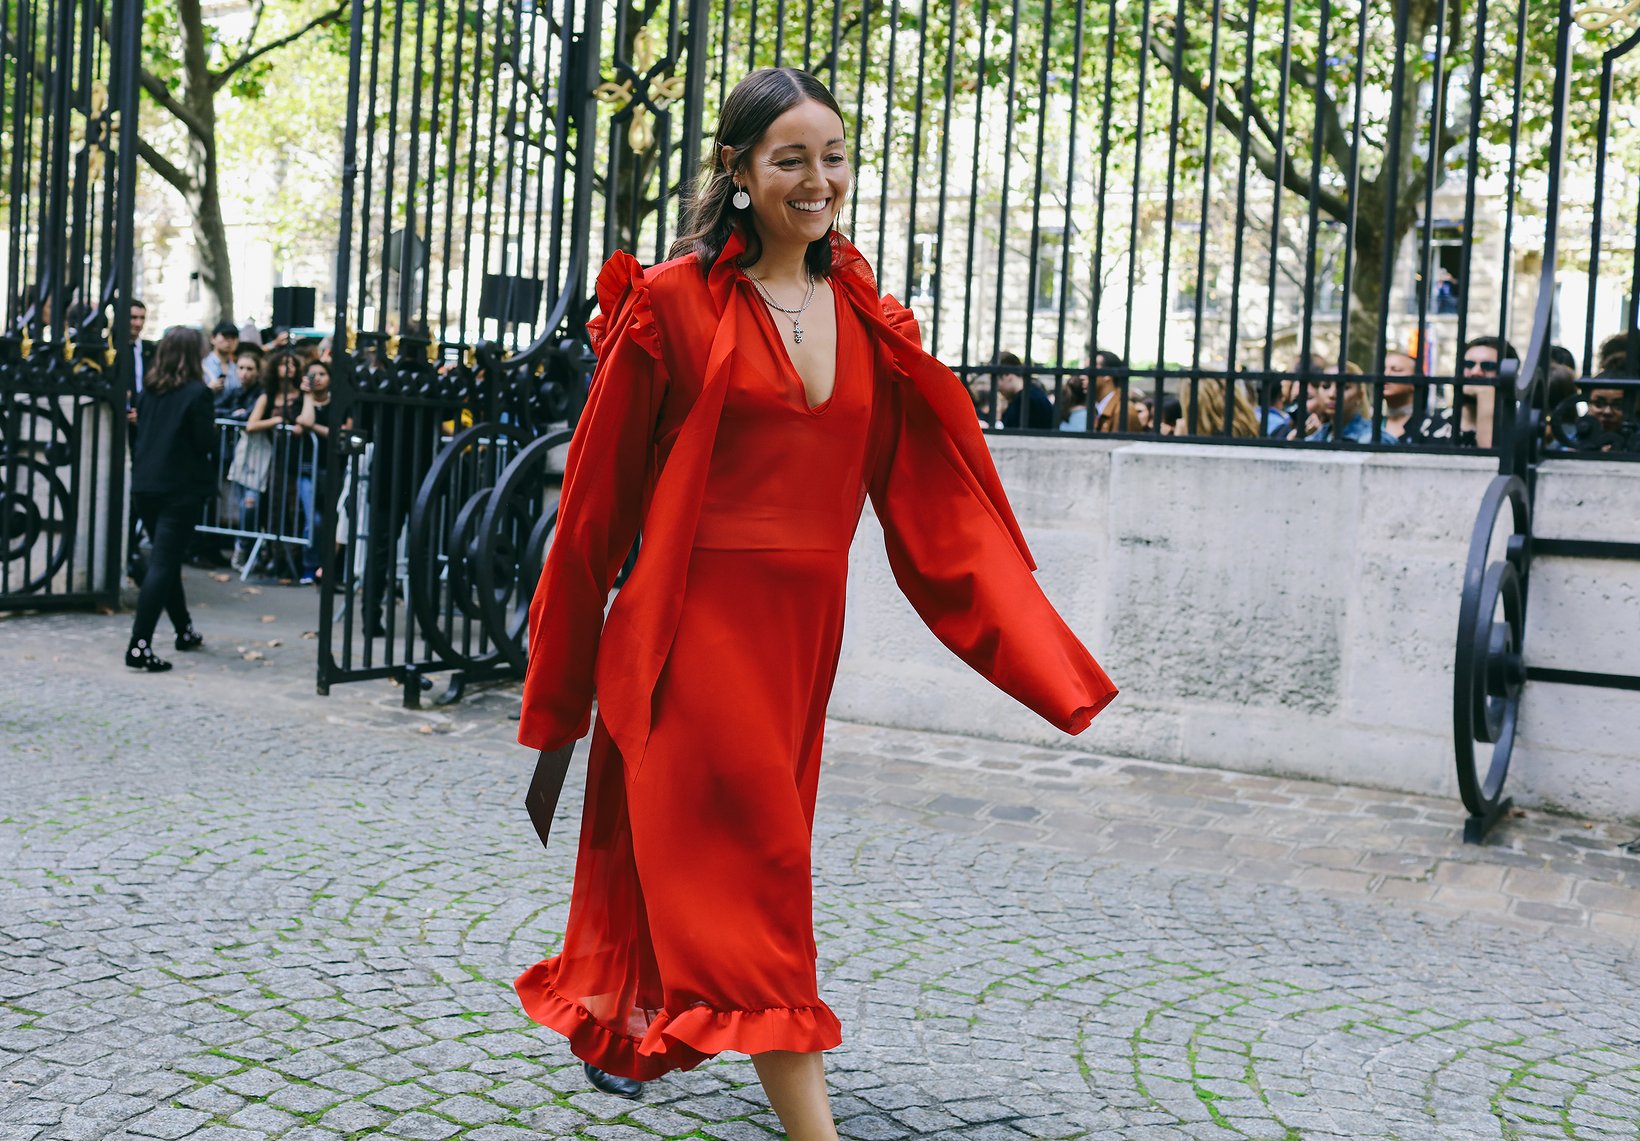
column 235, row 911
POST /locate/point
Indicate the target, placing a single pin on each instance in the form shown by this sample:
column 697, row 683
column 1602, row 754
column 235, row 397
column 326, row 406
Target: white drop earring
column 741, row 200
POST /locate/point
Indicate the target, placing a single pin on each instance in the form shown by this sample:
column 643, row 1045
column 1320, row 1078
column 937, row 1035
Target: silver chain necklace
column 795, row 316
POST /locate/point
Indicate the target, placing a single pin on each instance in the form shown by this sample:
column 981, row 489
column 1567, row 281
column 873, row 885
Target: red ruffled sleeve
column 962, row 568
column 901, row 319
column 610, row 468
column 621, row 280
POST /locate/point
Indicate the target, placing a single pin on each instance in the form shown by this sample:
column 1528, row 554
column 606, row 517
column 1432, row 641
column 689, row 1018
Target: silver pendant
column 797, row 332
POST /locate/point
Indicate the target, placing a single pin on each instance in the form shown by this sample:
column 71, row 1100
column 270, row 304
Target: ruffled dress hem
column 679, row 1041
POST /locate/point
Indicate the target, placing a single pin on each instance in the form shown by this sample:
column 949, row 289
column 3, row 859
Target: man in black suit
column 142, row 357
column 143, row 354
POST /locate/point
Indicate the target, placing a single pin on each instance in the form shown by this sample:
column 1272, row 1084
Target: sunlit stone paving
column 235, row 911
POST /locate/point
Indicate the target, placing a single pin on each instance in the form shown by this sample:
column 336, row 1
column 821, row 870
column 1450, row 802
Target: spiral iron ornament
column 38, row 507
column 446, row 540
column 1489, row 670
column 518, row 524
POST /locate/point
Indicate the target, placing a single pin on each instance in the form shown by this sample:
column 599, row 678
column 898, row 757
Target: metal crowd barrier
column 268, row 498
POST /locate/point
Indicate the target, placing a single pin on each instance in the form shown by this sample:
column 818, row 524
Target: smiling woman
column 749, row 393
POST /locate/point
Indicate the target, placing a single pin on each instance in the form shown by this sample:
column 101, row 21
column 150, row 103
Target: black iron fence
column 1547, row 417
column 1315, row 224
column 68, row 86
column 1272, row 225
column 461, row 281
column 1199, row 189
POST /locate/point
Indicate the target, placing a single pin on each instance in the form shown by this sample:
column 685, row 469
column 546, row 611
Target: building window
column 924, row 262
column 1050, row 253
column 1443, row 294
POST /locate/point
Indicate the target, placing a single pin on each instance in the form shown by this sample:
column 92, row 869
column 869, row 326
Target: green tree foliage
column 191, row 71
column 1141, row 123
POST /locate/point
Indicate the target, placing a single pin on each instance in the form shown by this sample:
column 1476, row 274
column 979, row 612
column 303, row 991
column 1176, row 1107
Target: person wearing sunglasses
column 1480, row 363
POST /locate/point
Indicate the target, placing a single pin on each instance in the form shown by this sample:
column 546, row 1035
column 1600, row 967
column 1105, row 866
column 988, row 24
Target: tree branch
column 165, row 168
column 220, row 79
column 1260, row 119
column 256, row 22
column 173, row 106
column 151, row 84
column 1263, row 155
column 1327, row 118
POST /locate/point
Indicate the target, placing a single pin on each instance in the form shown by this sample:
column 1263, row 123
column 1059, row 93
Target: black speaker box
column 293, row 306
column 513, row 300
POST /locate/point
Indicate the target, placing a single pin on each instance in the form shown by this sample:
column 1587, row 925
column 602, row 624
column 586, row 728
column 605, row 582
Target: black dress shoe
column 140, row 656
column 190, row 639
column 613, row 1085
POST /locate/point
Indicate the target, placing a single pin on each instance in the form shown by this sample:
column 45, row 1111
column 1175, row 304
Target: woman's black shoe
column 140, row 656
column 190, row 639
column 613, row 1085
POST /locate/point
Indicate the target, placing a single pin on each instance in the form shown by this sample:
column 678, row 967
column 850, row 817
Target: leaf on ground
column 273, row 641
column 254, row 655
column 268, row 618
column 424, row 729
column 251, row 590
column 310, row 634
column 220, row 577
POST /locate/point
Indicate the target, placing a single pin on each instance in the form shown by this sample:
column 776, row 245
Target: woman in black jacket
column 173, row 472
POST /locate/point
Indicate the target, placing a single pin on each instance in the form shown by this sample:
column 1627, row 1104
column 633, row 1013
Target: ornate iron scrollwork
column 445, row 543
column 47, row 403
column 1598, row 17
column 645, row 89
column 1489, row 669
column 36, row 522
column 518, row 523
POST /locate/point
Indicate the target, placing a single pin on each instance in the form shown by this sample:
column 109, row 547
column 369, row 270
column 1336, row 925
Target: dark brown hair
column 709, row 218
column 177, row 360
column 274, row 386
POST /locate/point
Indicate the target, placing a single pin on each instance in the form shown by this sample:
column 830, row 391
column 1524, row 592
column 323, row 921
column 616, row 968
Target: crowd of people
column 267, row 411
column 227, row 430
column 271, row 401
column 1319, row 400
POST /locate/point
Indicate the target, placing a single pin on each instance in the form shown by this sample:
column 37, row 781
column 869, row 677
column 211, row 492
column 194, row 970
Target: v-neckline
column 786, row 357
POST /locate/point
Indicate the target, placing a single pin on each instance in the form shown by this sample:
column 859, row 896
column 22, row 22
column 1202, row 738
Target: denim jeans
column 245, row 501
column 312, row 522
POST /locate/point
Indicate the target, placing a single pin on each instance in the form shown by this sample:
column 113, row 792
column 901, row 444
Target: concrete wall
column 1262, row 610
column 1580, row 747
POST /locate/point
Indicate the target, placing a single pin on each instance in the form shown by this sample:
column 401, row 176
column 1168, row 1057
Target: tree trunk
column 195, row 176
column 1373, row 255
column 210, row 233
column 204, row 195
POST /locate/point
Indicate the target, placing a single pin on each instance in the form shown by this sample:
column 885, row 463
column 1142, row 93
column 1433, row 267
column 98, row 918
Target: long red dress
column 691, row 926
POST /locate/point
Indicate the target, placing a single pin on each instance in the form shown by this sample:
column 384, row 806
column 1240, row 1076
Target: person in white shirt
column 221, row 367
